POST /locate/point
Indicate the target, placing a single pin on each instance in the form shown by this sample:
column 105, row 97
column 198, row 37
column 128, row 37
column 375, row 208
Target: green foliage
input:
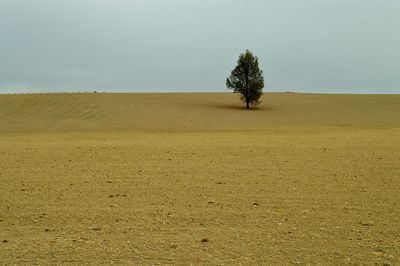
column 247, row 79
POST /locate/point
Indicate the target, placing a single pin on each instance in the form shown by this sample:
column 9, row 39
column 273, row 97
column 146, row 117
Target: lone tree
column 247, row 79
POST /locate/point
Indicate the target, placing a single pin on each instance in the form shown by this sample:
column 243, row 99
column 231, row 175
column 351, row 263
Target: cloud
column 193, row 45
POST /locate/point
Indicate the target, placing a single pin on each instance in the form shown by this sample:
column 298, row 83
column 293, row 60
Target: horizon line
column 20, row 92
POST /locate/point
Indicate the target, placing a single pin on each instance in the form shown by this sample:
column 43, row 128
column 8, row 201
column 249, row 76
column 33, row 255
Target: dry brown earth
column 147, row 179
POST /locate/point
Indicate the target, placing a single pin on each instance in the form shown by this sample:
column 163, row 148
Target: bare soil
column 181, row 179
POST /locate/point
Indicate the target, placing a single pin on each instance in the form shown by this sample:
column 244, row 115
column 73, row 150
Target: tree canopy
column 247, row 79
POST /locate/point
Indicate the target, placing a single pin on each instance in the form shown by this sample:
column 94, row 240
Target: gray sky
column 192, row 45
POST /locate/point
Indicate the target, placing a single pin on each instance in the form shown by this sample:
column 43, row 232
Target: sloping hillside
column 192, row 112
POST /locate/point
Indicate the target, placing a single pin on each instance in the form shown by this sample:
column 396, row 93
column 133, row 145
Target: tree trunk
column 247, row 104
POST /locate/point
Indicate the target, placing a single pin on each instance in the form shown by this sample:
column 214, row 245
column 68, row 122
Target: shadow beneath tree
column 238, row 107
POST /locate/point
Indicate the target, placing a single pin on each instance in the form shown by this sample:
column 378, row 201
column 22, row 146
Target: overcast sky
column 192, row 45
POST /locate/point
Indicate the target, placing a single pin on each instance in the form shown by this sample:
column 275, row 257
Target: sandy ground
column 180, row 179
